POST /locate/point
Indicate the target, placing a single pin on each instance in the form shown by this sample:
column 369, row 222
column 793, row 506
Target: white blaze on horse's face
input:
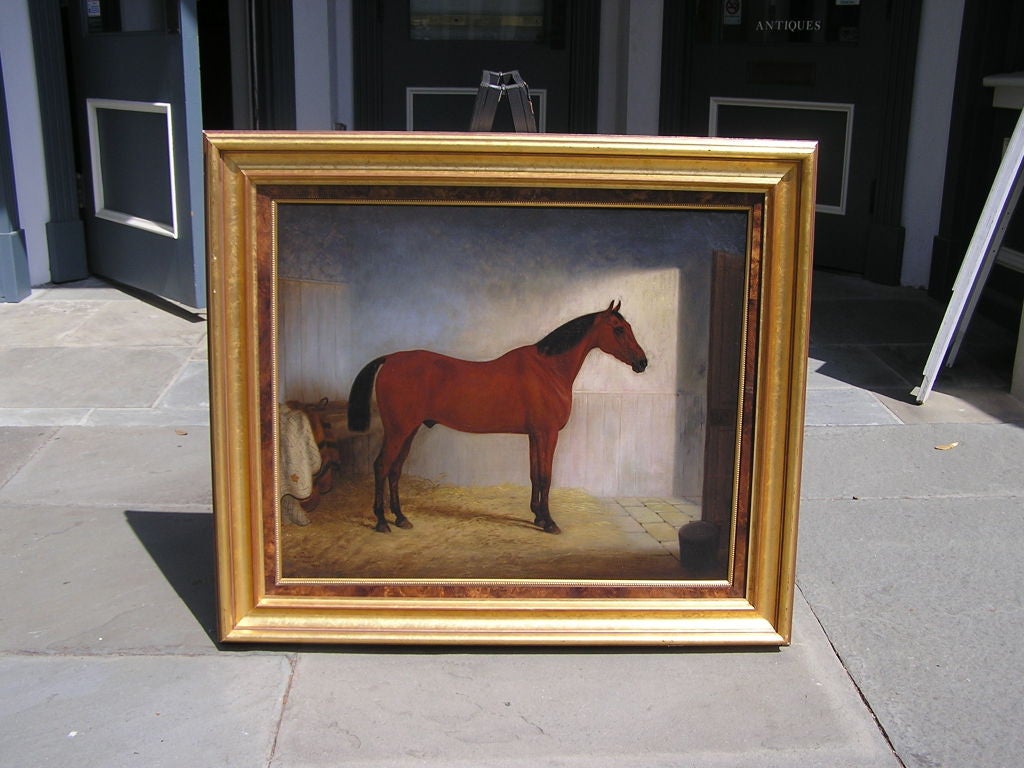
column 615, row 336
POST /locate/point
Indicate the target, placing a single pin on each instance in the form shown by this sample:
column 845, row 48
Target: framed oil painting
column 507, row 389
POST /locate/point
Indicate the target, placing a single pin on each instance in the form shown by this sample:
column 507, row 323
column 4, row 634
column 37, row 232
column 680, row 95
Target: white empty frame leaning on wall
column 828, row 123
column 131, row 148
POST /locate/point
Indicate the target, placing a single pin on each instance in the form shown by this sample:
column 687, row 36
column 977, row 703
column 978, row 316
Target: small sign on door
column 732, row 13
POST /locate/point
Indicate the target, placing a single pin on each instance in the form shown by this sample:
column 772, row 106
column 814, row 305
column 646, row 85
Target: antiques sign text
column 789, row 25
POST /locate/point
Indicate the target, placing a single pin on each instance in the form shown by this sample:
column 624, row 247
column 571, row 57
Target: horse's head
column 615, row 336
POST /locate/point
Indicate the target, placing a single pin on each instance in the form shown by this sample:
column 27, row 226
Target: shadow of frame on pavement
column 181, row 545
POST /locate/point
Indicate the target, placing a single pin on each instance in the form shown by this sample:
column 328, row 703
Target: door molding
column 368, row 65
column 884, row 257
column 273, row 55
column 65, row 231
column 14, row 279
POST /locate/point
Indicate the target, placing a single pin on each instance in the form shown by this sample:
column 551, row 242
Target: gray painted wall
column 26, row 135
column 938, row 45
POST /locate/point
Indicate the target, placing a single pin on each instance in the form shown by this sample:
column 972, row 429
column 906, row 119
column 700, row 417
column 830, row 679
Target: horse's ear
column 613, row 307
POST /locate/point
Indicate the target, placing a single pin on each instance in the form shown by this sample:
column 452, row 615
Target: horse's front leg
column 378, row 491
column 542, row 454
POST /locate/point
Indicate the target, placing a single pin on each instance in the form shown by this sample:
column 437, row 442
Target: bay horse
column 527, row 390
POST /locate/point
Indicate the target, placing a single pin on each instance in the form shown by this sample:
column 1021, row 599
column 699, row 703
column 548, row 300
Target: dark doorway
column 246, row 56
column 214, row 23
column 418, row 62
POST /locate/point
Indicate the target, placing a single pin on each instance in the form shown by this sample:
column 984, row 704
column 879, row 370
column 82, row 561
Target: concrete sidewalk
column 905, row 640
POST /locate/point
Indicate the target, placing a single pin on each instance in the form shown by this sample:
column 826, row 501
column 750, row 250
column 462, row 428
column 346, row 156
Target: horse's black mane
column 567, row 336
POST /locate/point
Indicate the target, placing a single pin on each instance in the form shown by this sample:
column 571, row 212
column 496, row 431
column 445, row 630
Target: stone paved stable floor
column 907, row 610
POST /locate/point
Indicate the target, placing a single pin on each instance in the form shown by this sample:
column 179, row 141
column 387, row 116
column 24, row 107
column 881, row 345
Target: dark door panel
column 138, row 125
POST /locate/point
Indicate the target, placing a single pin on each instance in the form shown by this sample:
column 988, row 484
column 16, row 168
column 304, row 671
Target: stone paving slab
column 43, row 417
column 679, row 517
column 201, row 351
column 146, row 417
column 840, row 287
column 663, row 532
column 922, row 600
column 903, row 461
column 794, row 707
column 845, row 407
column 75, row 377
column 89, row 289
column 91, row 580
column 105, row 417
column 17, row 445
column 974, row 368
column 836, row 366
column 644, row 515
column 127, row 467
column 893, row 319
column 137, row 324
column 190, row 388
column 43, row 323
column 163, row 711
column 952, row 405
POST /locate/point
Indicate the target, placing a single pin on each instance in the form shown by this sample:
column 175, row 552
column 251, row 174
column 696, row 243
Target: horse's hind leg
column 389, row 465
column 394, row 474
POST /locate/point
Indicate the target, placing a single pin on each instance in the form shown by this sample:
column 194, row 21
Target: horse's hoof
column 549, row 526
column 403, row 523
column 382, row 528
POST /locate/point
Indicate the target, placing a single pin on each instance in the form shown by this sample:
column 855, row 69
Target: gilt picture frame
column 610, row 332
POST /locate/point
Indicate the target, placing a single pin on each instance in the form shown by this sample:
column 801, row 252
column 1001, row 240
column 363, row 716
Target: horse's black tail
column 359, row 397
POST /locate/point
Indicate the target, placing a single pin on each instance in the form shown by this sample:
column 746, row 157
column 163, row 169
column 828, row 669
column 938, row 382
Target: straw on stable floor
column 471, row 533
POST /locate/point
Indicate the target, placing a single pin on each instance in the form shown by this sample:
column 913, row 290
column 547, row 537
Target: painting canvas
column 475, row 391
column 359, row 282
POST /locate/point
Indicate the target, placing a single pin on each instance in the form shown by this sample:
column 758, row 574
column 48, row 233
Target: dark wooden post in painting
column 703, row 546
